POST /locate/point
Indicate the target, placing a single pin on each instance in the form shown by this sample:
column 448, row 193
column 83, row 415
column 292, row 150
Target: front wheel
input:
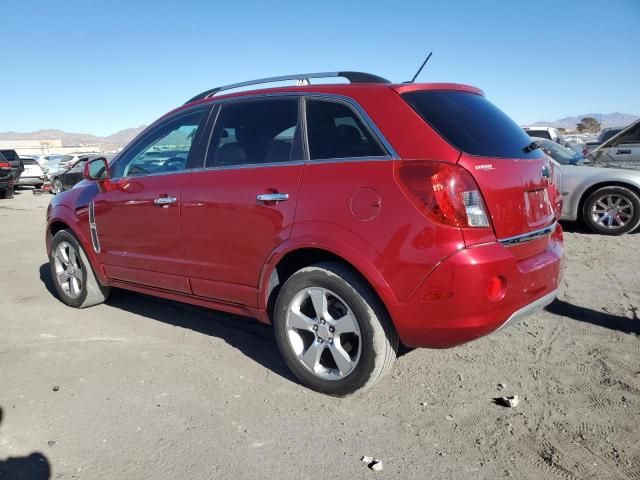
column 612, row 211
column 332, row 330
column 72, row 275
column 57, row 186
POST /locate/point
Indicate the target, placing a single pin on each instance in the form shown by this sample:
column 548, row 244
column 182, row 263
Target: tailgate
column 517, row 193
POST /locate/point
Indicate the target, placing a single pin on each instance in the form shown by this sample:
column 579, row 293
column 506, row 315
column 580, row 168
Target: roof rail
column 353, row 77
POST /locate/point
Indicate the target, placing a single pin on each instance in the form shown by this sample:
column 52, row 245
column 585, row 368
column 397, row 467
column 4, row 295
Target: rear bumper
column 30, row 181
column 455, row 303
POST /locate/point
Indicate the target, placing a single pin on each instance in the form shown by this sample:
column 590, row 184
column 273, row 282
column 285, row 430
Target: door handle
column 165, row 200
column 272, row 197
column 626, row 151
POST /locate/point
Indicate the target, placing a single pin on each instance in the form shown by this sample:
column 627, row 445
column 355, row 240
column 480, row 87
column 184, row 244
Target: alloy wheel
column 323, row 332
column 68, row 269
column 612, row 211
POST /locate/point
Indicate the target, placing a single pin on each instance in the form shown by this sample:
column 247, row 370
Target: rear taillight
column 444, row 192
column 5, row 165
column 585, row 151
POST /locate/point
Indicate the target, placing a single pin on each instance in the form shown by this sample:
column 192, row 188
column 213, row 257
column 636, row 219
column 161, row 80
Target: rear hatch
column 16, row 164
column 5, row 172
column 31, row 168
column 515, row 177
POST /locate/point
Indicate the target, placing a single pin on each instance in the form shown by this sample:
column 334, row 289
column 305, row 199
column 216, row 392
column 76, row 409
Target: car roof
column 332, row 89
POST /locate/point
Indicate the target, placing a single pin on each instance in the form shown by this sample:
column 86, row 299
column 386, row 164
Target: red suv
column 351, row 216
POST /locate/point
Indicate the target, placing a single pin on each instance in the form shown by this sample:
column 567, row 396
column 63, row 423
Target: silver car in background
column 606, row 198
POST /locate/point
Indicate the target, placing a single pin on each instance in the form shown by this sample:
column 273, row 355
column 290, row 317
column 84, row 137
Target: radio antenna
column 420, row 69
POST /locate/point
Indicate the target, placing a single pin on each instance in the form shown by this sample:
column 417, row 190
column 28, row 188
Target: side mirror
column 96, row 170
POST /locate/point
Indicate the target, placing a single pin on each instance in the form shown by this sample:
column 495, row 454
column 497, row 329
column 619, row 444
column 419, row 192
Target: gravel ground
column 147, row 388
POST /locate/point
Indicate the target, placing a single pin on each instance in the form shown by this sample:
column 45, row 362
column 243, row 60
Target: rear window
column 608, row 134
column 10, row 155
column 471, row 123
column 539, row 133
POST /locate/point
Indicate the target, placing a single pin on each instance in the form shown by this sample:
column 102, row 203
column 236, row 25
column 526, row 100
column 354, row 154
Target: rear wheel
column 612, row 211
column 333, row 332
column 6, row 193
column 72, row 275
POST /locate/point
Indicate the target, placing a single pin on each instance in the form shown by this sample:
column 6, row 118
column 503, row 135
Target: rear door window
column 471, row 123
column 335, row 131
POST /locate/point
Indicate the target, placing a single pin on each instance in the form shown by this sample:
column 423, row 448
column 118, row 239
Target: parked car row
column 65, row 178
column 62, row 171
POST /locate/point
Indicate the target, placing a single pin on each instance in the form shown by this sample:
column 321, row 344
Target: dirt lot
column 145, row 388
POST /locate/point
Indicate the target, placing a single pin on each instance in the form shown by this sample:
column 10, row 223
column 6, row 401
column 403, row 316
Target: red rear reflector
column 496, row 289
column 444, row 192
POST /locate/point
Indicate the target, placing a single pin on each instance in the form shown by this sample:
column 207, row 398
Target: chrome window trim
column 526, row 237
column 154, row 174
column 250, row 165
column 288, row 163
column 366, row 119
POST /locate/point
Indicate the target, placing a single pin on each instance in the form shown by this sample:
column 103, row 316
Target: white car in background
column 549, row 133
column 605, row 198
column 33, row 175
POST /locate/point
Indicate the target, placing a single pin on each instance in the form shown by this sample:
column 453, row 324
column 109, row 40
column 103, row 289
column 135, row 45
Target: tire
column 39, row 186
column 81, row 288
column 56, row 186
column 612, row 211
column 6, row 193
column 365, row 349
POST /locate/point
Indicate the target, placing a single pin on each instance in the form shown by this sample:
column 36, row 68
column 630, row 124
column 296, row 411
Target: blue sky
column 101, row 66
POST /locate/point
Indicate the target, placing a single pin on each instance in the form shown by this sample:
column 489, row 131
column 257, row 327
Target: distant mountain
column 70, row 139
column 616, row 119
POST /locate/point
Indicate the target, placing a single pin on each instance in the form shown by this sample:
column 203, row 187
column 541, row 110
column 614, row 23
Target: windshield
column 560, row 154
column 539, row 133
column 608, row 134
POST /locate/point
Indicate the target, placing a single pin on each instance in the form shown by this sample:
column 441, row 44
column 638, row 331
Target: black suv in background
column 6, row 178
column 17, row 167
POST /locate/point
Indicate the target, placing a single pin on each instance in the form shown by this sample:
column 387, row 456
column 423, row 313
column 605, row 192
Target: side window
column 80, row 165
column 335, row 131
column 165, row 149
column 254, row 132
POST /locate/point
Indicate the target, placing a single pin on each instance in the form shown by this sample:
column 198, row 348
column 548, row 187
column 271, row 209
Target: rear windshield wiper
column 531, row 147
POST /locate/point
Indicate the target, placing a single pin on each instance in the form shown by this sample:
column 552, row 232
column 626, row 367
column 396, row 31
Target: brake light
column 5, row 165
column 444, row 192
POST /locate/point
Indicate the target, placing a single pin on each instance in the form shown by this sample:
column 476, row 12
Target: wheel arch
column 290, row 258
column 605, row 183
column 61, row 218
